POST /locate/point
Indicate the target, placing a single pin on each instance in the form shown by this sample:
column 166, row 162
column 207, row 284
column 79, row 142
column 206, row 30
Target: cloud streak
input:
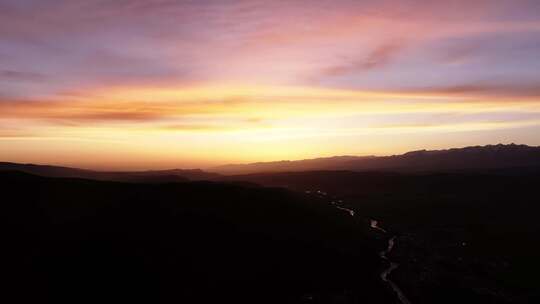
column 10, row 75
column 492, row 91
column 377, row 58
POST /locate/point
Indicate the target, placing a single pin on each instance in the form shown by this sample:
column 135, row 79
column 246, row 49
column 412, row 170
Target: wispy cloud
column 11, row 75
column 502, row 91
column 377, row 58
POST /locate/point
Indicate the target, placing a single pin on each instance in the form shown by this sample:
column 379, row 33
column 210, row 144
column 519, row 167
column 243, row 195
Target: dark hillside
column 73, row 240
column 173, row 175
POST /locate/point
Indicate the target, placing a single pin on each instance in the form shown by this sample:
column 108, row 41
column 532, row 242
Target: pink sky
column 148, row 84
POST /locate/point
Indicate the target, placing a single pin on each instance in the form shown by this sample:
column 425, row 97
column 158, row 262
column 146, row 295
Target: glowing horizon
column 166, row 84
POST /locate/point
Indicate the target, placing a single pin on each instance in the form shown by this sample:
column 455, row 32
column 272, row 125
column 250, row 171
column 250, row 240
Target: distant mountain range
column 488, row 157
column 477, row 157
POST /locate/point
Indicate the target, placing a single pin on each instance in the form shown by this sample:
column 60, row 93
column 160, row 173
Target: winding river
column 374, row 224
column 393, row 266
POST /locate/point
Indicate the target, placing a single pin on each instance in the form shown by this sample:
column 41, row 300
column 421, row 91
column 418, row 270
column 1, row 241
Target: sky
column 133, row 84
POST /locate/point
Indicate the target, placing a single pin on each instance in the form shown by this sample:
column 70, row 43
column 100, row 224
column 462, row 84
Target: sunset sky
column 133, row 84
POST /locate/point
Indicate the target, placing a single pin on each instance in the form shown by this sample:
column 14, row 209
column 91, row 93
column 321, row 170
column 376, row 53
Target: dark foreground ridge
column 74, row 240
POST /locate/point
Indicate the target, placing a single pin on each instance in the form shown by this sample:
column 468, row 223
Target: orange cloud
column 139, row 105
column 109, row 111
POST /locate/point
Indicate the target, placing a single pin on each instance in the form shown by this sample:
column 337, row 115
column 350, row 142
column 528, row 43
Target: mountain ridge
column 499, row 156
column 470, row 157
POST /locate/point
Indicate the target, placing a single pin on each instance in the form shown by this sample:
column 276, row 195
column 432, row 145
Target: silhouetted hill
column 323, row 163
column 174, row 175
column 477, row 157
column 82, row 241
